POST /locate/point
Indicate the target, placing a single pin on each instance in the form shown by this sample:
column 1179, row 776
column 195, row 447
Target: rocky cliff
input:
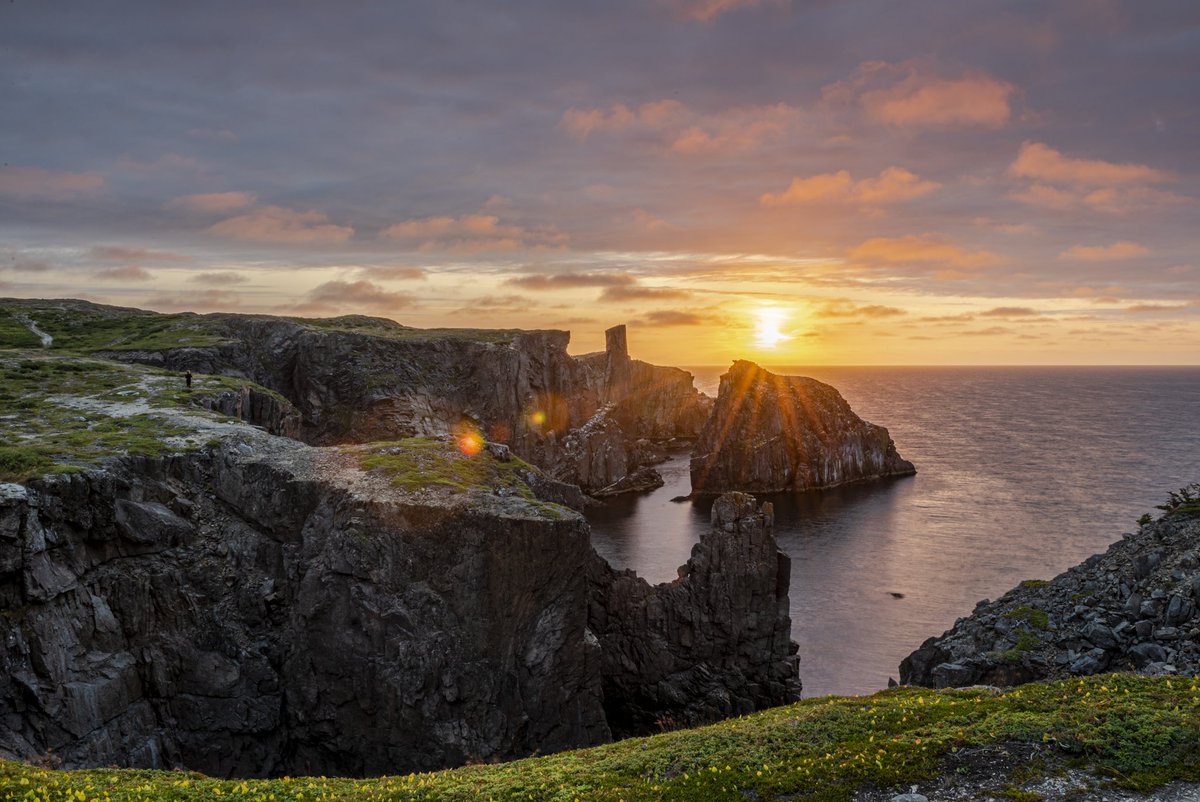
column 712, row 644
column 770, row 433
column 215, row 597
column 362, row 379
column 1135, row 607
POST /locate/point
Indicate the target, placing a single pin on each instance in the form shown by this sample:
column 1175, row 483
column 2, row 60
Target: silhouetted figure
column 187, row 378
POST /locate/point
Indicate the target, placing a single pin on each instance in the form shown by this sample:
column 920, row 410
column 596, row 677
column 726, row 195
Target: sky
column 790, row 181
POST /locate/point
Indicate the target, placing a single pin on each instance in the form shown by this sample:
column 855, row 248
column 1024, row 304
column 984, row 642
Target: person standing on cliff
column 187, row 379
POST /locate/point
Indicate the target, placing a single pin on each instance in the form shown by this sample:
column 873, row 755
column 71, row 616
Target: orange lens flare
column 537, row 418
column 470, row 443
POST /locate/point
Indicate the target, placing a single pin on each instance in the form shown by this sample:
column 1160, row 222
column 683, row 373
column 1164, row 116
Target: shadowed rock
column 770, row 433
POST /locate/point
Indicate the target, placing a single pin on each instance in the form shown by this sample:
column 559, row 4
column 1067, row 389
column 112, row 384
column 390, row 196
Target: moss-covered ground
column 1140, row 732
column 60, row 414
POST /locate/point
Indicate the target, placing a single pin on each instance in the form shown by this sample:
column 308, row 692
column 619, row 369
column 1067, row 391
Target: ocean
column 1022, row 472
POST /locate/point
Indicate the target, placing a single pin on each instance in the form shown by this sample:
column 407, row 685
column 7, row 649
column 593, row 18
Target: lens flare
column 470, row 443
column 537, row 418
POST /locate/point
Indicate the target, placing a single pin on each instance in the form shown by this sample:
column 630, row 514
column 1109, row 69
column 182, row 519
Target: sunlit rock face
column 770, row 433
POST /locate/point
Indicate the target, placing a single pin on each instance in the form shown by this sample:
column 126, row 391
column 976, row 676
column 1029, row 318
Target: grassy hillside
column 1139, row 732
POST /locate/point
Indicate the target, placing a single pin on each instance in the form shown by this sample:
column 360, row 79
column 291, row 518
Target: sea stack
column 770, row 433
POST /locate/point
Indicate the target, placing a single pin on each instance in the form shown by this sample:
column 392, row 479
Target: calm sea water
column 1022, row 472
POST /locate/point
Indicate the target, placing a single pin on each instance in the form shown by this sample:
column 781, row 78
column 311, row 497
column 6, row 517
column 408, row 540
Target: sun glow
column 767, row 333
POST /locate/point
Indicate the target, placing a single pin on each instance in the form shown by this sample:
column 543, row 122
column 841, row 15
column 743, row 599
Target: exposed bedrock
column 1136, row 607
column 771, row 433
column 714, row 643
column 269, row 608
column 518, row 388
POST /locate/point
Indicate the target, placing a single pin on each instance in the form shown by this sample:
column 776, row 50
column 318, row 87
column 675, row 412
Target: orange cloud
column 471, row 233
column 334, row 296
column 34, row 182
column 131, row 273
column 891, row 186
column 280, row 225
column 847, row 309
column 925, row 248
column 569, row 281
column 1105, row 253
column 674, row 317
column 631, row 292
column 684, row 131
column 909, row 95
column 706, row 10
column 213, row 202
column 1043, row 163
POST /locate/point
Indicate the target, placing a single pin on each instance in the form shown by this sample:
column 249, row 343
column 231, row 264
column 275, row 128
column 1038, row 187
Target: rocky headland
column 1134, row 608
column 769, row 433
column 181, row 585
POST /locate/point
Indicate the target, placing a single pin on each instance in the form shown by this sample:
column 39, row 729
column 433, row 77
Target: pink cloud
column 34, row 182
column 121, row 253
column 568, row 281
column 707, row 10
column 580, row 123
column 213, row 202
column 912, row 95
column 471, row 233
column 218, row 278
column 924, row 248
column 354, row 296
column 1039, row 162
column 893, row 185
column 1123, row 249
column 280, row 225
column 130, row 273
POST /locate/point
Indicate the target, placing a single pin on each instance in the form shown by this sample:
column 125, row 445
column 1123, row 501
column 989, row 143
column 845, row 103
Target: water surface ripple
column 1023, row 472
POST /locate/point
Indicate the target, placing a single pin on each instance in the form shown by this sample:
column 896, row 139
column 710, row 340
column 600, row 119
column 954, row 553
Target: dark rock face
column 268, row 608
column 523, row 390
column 285, row 625
column 770, row 433
column 1133, row 608
column 714, row 643
column 274, row 415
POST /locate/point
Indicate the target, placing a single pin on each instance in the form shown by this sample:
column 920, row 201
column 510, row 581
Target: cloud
column 34, row 182
column 121, row 253
column 130, row 273
column 213, row 202
column 505, row 302
column 471, row 233
column 631, row 292
column 924, row 248
column 279, row 225
column 567, row 281
column 17, row 262
column 581, row 123
column 849, row 310
column 1156, row 308
column 677, row 128
column 1010, row 311
column 355, row 296
column 673, row 317
column 393, row 273
column 1123, row 249
column 218, row 278
column 1042, row 163
column 706, row 10
column 203, row 301
column 891, row 186
column 912, row 95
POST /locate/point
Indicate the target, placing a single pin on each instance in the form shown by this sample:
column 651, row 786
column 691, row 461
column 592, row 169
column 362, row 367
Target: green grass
column 42, row 432
column 1031, row 615
column 1034, row 583
column 15, row 334
column 86, row 329
column 1141, row 732
column 418, row 462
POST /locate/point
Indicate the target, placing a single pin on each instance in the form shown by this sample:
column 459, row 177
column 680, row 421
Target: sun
column 767, row 333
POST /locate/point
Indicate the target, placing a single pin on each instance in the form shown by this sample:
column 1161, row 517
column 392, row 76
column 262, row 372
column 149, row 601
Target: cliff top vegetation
column 86, row 327
column 1070, row 738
